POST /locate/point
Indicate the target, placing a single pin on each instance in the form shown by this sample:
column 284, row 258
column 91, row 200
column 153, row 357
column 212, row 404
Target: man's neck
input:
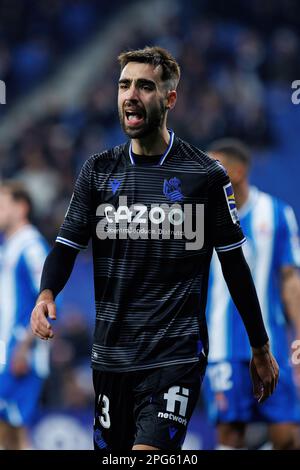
column 14, row 229
column 241, row 193
column 153, row 144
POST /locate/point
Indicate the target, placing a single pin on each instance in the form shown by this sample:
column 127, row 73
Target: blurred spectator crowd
column 230, row 54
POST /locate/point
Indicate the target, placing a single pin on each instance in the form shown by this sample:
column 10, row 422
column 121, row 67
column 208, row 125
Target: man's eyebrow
column 139, row 81
column 146, row 81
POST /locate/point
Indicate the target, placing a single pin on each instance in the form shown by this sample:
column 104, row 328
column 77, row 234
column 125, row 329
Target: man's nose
column 132, row 94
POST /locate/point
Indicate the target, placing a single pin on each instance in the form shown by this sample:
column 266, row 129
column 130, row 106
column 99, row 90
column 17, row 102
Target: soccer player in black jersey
column 155, row 208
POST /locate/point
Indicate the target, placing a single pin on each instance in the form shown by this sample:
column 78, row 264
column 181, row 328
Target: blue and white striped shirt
column 272, row 242
column 21, row 262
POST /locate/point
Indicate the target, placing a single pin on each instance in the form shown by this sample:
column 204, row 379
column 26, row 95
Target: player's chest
column 148, row 186
column 151, row 204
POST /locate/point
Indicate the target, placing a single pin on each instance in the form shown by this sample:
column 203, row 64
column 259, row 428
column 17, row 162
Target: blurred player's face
column 11, row 212
column 143, row 99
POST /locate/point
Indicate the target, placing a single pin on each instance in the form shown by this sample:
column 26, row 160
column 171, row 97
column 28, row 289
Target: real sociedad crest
column 172, row 189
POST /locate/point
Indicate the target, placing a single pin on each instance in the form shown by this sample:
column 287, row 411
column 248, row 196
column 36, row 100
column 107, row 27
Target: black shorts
column 151, row 407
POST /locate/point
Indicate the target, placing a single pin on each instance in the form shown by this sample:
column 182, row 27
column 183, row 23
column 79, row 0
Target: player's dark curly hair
column 157, row 56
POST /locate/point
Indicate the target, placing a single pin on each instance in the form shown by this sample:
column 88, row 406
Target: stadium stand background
column 58, row 61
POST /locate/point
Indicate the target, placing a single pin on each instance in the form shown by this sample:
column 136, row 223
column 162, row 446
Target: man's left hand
column 264, row 372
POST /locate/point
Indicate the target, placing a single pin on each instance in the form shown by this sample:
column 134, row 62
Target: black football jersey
column 153, row 229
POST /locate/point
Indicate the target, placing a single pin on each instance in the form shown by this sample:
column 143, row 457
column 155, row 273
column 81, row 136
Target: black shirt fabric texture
column 153, row 229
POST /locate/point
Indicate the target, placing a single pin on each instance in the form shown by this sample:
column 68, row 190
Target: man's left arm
column 227, row 239
column 263, row 367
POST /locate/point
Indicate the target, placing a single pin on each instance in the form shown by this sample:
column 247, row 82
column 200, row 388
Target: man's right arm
column 73, row 236
column 56, row 272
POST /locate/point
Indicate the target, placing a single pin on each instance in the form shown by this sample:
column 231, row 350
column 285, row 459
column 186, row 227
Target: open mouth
column 134, row 118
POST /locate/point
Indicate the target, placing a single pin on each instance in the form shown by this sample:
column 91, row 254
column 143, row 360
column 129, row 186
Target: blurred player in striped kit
column 272, row 253
column 22, row 255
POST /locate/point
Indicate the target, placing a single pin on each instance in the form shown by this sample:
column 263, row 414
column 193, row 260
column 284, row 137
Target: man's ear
column 171, row 99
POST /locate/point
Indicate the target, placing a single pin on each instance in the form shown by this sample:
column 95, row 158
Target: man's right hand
column 45, row 308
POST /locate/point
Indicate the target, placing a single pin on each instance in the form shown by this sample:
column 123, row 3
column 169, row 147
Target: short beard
column 153, row 121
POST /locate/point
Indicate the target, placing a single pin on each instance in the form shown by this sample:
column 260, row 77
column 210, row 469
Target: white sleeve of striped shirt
column 35, row 255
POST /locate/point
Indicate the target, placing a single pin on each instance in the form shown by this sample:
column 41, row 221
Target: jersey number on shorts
column 104, row 416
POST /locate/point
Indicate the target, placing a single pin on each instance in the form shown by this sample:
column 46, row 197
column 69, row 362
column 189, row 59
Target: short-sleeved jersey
column 153, row 229
column 272, row 243
column 21, row 262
